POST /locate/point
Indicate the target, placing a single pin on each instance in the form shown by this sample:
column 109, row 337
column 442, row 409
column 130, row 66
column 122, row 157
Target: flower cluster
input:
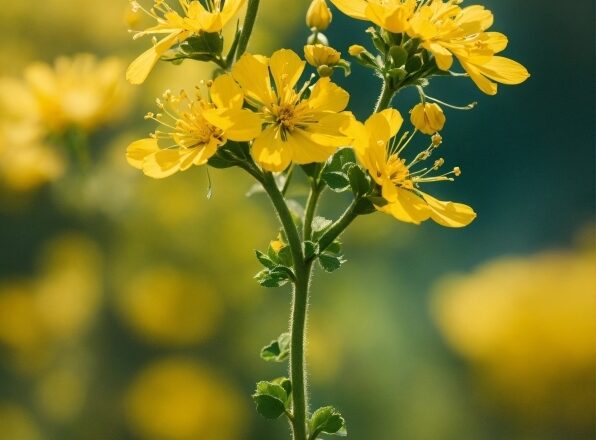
column 257, row 115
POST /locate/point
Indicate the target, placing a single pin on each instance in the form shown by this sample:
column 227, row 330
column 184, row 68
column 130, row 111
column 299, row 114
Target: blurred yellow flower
column 17, row 424
column 61, row 392
column 164, row 306
column 428, row 117
column 26, row 162
column 378, row 149
column 527, row 325
column 446, row 30
column 297, row 129
column 318, row 15
column 195, row 19
column 198, row 127
column 81, row 91
column 56, row 307
column 178, row 399
column 391, row 15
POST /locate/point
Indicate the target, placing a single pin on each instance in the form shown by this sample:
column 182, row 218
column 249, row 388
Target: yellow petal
column 231, row 8
column 138, row 150
column 495, row 41
column 407, row 207
column 379, row 128
column 450, row 214
column 353, row 8
column 504, row 70
column 394, row 120
column 139, row 69
column 305, row 148
column 226, row 93
column 327, row 96
column 270, row 151
column 237, row 124
column 483, row 83
column 443, row 57
column 286, row 68
column 162, row 164
column 252, row 74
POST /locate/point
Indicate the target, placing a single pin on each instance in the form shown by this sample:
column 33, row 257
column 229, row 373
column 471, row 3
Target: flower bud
column 318, row 55
column 427, row 118
column 356, row 50
column 318, row 15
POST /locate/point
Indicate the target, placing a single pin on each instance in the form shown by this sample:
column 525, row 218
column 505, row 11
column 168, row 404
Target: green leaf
column 205, row 43
column 336, row 181
column 330, row 263
column 219, row 160
column 278, row 350
column 364, row 206
column 276, row 277
column 271, row 399
column 398, row 56
column 414, row 64
column 334, row 248
column 319, row 226
column 310, row 249
column 265, row 260
column 286, row 384
column 358, row 181
column 327, row 420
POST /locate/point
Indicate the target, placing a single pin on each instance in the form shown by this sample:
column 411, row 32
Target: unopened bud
column 457, row 171
column 436, row 139
column 356, row 50
column 428, row 118
column 318, row 15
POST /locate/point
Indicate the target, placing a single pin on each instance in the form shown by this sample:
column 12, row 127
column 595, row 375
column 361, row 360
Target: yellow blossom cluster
column 446, row 30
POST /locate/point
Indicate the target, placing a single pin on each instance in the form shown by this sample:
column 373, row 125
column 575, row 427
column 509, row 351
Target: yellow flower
column 297, row 129
column 379, row 151
column 318, row 15
column 198, row 128
column 391, row 15
column 427, row 118
column 81, row 91
column 319, row 55
column 446, row 30
column 196, row 19
column 527, row 325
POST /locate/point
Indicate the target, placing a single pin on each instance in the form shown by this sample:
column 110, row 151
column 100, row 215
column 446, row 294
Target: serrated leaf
column 265, row 260
column 327, row 420
column 331, row 263
column 276, row 277
column 336, row 181
column 286, row 384
column 364, row 206
column 268, row 406
column 278, row 350
column 334, row 247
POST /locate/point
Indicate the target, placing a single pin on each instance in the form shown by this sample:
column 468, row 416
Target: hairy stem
column 249, row 21
column 302, row 271
column 384, row 100
column 311, row 207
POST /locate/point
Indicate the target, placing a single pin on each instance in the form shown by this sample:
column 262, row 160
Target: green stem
column 302, row 271
column 249, row 21
column 339, row 226
column 384, row 100
column 311, row 207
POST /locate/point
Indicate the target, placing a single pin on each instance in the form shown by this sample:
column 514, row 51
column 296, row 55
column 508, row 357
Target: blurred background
column 127, row 305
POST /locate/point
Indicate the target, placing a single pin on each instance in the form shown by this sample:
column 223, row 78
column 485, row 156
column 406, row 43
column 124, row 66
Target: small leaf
column 319, row 226
column 334, row 248
column 398, row 56
column 364, row 206
column 327, row 420
column 271, row 399
column 278, row 350
column 358, row 181
column 330, row 263
column 265, row 260
column 336, row 181
column 310, row 249
column 276, row 277
column 311, row 169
